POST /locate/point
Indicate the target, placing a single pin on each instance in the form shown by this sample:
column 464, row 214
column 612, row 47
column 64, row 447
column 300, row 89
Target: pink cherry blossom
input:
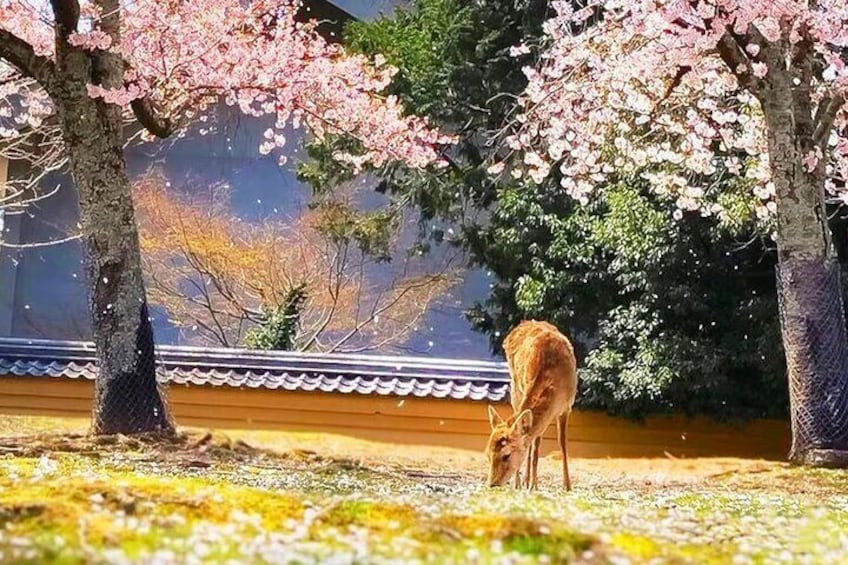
column 646, row 91
column 184, row 57
column 95, row 39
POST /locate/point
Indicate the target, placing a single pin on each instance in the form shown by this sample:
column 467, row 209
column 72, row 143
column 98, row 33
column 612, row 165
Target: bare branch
column 389, row 340
column 377, row 309
column 41, row 243
column 675, row 82
column 205, row 291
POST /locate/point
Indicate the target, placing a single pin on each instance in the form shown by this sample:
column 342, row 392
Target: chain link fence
column 132, row 401
column 814, row 336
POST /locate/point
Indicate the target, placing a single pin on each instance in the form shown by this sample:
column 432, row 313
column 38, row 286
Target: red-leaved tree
column 683, row 92
column 74, row 72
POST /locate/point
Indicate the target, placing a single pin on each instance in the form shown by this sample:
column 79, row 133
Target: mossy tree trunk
column 127, row 398
column 812, row 315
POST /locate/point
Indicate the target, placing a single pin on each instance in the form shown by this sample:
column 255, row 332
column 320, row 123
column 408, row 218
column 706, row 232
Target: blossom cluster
column 258, row 56
column 639, row 87
column 23, row 104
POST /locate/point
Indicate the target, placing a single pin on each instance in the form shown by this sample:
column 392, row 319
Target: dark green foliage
column 455, row 68
column 667, row 315
column 426, row 45
column 278, row 328
column 320, row 171
column 370, row 231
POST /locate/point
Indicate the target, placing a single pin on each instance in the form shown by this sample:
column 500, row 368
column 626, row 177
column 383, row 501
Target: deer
column 543, row 371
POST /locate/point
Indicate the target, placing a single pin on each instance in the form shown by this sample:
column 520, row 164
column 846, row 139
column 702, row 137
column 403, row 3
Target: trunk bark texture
column 811, row 306
column 127, row 396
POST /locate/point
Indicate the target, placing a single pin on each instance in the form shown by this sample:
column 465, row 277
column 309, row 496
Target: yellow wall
column 452, row 423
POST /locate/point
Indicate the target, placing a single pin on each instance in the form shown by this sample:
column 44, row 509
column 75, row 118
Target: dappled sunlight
column 275, row 496
column 302, row 257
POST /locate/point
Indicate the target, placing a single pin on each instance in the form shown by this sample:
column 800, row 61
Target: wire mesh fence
column 131, row 397
column 814, row 337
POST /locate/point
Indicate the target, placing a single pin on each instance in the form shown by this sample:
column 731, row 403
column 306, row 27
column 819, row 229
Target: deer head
column 508, row 445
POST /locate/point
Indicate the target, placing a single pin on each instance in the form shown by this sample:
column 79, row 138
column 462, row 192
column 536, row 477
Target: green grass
column 69, row 509
column 75, row 501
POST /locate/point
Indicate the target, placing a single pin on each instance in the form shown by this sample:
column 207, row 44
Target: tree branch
column 377, row 309
column 67, row 13
column 146, row 114
column 682, row 71
column 41, row 243
column 21, row 54
column 804, row 48
column 110, row 69
column 825, row 116
column 735, row 58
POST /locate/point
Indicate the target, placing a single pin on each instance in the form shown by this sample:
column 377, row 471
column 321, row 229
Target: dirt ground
column 648, row 473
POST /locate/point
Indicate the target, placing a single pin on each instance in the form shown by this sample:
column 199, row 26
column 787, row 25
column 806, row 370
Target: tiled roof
column 348, row 374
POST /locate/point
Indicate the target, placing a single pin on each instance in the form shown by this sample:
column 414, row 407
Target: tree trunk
column 811, row 307
column 127, row 397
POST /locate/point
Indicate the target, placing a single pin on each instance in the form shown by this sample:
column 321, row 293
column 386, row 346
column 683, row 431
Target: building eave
column 383, row 375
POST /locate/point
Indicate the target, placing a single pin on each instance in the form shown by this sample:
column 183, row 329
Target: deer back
column 543, row 370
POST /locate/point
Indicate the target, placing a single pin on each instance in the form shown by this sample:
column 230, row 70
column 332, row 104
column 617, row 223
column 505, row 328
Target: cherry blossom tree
column 684, row 92
column 73, row 72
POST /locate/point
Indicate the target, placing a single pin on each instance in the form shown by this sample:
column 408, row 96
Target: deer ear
column 494, row 417
column 524, row 421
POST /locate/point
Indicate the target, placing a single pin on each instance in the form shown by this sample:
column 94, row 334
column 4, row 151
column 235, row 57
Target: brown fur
column 544, row 383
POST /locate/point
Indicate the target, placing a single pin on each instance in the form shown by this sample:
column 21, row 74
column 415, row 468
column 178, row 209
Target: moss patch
column 646, row 550
column 371, row 515
column 75, row 509
column 73, row 499
column 453, row 533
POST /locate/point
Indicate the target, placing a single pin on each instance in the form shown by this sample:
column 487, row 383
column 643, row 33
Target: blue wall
column 367, row 9
column 49, row 299
column 49, row 295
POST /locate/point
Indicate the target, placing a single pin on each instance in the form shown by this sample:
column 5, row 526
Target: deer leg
column 537, row 445
column 562, row 437
column 515, row 401
column 528, row 466
column 517, row 479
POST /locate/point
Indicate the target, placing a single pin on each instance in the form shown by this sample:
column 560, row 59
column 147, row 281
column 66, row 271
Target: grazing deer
column 544, row 383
